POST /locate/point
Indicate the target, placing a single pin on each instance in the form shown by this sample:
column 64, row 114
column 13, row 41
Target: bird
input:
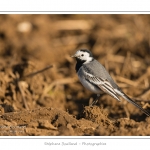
column 94, row 77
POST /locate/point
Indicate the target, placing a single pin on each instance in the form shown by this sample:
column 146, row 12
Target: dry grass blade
column 74, row 25
column 145, row 75
column 34, row 73
column 22, row 87
column 59, row 82
column 127, row 81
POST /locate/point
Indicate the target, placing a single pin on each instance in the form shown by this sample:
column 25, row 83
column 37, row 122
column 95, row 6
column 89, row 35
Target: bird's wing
column 103, row 84
column 97, row 69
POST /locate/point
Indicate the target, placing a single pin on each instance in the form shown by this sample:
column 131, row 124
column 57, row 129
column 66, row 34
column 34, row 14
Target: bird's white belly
column 89, row 86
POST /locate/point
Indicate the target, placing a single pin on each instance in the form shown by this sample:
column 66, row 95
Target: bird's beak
column 74, row 56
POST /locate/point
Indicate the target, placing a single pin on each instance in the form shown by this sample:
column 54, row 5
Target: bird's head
column 83, row 55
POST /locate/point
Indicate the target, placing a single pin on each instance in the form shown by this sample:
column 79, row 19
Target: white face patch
column 83, row 55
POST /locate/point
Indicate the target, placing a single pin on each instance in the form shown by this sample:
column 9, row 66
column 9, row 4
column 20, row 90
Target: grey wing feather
column 98, row 70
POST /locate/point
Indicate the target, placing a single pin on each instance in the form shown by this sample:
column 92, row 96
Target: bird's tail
column 134, row 103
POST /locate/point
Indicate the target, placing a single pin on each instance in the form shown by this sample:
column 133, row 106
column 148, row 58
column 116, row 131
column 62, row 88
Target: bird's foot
column 95, row 100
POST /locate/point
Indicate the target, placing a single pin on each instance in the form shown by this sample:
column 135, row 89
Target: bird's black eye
column 82, row 55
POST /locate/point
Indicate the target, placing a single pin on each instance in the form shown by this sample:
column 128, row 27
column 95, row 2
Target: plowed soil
column 40, row 93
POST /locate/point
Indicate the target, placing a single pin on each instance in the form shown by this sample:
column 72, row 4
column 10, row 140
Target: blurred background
column 29, row 43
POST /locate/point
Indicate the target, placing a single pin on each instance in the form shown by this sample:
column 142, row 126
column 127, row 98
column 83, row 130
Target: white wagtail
column 95, row 78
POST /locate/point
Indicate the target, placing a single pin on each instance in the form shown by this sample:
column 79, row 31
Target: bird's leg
column 95, row 100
